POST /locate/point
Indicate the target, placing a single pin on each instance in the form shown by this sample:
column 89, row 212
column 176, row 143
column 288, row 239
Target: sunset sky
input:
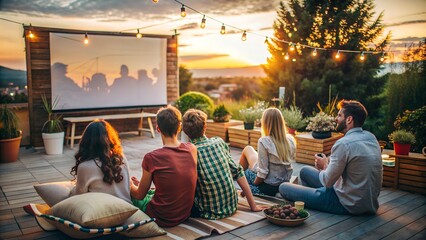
column 198, row 48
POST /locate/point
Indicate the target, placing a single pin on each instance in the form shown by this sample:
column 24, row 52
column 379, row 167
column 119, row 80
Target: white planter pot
column 53, row 142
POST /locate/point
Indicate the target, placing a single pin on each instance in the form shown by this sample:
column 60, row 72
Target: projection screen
column 109, row 72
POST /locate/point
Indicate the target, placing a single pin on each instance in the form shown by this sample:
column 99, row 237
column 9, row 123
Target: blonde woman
column 267, row 169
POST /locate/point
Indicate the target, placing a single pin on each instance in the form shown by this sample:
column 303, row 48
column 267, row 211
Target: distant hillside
column 8, row 75
column 253, row 71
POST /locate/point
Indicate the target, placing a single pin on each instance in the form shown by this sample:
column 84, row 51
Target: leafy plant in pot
column 293, row 118
column 52, row 131
column 249, row 116
column 10, row 135
column 402, row 141
column 221, row 114
column 321, row 125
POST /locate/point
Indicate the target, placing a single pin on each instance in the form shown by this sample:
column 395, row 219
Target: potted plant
column 293, row 118
column 221, row 114
column 402, row 141
column 249, row 116
column 10, row 135
column 52, row 131
column 321, row 125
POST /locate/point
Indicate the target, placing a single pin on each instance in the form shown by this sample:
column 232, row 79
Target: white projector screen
column 109, row 72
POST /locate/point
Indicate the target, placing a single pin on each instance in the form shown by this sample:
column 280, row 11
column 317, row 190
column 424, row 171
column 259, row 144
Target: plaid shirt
column 216, row 196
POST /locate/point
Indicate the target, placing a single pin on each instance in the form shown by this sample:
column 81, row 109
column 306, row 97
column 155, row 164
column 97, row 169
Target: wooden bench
column 71, row 137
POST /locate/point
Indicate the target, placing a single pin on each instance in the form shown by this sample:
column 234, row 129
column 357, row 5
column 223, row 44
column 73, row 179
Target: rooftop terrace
column 401, row 215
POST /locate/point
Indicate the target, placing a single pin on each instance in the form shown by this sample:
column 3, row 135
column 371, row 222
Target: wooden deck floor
column 401, row 215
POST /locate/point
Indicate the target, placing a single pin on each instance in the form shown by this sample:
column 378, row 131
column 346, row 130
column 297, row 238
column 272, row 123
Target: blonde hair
column 273, row 125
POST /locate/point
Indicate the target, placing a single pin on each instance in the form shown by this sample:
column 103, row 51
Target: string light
column 222, row 29
column 362, row 57
column 244, row 36
column 266, row 40
column 139, row 35
column 289, row 34
column 314, row 53
column 286, row 57
column 86, row 39
column 293, row 60
column 203, row 22
column 291, row 47
column 30, row 33
column 155, row 1
column 337, row 56
column 182, row 11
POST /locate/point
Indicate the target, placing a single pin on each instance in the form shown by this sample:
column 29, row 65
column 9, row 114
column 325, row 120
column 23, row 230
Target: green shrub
column 195, row 100
column 402, row 136
column 415, row 122
column 293, row 117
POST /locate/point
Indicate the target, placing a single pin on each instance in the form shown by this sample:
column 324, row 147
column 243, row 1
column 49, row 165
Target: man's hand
column 259, row 208
column 321, row 162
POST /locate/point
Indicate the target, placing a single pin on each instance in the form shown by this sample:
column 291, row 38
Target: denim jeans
column 313, row 193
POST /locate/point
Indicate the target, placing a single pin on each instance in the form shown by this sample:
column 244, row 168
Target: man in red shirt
column 172, row 169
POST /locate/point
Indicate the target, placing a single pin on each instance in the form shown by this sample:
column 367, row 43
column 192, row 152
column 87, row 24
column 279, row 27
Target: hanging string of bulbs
column 291, row 46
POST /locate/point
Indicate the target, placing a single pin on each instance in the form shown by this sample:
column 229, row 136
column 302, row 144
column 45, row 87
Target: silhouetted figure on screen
column 98, row 83
column 63, row 86
column 125, row 88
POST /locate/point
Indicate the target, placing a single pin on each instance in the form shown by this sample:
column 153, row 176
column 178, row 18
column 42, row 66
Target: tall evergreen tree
column 333, row 25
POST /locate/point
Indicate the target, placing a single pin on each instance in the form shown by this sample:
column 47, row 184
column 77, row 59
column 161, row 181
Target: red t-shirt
column 174, row 174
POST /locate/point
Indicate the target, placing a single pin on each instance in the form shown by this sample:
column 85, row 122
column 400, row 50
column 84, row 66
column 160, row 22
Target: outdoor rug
column 194, row 228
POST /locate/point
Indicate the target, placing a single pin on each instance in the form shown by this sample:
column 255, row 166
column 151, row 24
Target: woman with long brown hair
column 100, row 163
column 271, row 166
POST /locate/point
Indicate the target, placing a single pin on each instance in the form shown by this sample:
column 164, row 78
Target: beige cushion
column 147, row 230
column 94, row 210
column 74, row 230
column 54, row 192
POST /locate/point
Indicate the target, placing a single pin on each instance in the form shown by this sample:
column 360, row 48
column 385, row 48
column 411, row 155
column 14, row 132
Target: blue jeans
column 313, row 193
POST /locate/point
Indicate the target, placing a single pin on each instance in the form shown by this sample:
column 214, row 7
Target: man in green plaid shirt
column 216, row 196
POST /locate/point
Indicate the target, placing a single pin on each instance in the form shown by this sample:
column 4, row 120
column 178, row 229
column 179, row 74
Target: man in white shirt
column 349, row 181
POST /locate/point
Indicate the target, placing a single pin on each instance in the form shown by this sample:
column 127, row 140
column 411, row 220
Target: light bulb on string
column 286, row 57
column 337, row 56
column 203, row 22
column 182, row 11
column 362, row 57
column 222, row 29
column 314, row 53
column 266, row 40
column 30, row 33
column 291, row 47
column 290, row 34
column 293, row 60
column 86, row 39
column 139, row 35
column 244, row 36
column 155, row 1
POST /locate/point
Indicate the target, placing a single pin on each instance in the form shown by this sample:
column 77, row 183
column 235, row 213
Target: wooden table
column 239, row 137
column 409, row 172
column 307, row 146
column 72, row 121
column 220, row 129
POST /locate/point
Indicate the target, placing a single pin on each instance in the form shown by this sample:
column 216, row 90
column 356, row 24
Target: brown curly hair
column 100, row 141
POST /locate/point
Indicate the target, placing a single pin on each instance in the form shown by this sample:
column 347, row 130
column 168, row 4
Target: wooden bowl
column 285, row 222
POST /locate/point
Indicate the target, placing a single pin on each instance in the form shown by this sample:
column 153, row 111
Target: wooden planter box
column 409, row 173
column 216, row 129
column 307, row 146
column 239, row 137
